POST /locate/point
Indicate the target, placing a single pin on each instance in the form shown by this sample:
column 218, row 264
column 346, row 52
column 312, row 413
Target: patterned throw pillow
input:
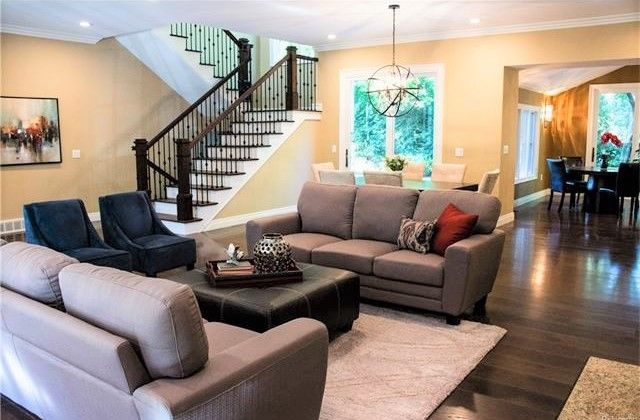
column 416, row 235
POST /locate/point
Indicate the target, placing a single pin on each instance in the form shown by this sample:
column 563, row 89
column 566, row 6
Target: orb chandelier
column 392, row 89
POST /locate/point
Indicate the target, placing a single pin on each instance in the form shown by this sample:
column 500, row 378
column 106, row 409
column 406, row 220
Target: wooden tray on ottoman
column 251, row 280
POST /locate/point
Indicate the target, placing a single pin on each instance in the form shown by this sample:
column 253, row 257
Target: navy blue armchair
column 65, row 226
column 129, row 222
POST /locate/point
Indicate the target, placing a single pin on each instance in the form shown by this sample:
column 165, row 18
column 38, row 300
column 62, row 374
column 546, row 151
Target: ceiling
column 354, row 22
column 553, row 79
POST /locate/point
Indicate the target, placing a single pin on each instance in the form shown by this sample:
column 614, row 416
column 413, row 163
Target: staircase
column 195, row 165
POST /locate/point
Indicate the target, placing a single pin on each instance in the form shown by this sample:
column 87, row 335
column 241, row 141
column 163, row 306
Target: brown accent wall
column 568, row 130
column 106, row 98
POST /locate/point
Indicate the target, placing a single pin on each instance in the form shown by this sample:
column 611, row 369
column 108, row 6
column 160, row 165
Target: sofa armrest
column 286, row 224
column 277, row 375
column 470, row 268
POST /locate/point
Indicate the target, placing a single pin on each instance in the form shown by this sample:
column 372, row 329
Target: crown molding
column 476, row 32
column 49, row 34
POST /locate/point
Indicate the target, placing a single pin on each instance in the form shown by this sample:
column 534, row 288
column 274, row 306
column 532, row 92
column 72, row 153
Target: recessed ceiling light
column 331, row 36
column 474, row 21
column 85, row 24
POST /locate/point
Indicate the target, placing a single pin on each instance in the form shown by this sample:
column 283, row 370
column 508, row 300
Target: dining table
column 599, row 178
column 429, row 184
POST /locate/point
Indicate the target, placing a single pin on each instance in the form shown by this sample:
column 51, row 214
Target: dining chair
column 448, row 172
column 64, row 226
column 627, row 186
column 337, row 177
column 488, row 182
column 393, row 179
column 576, row 178
column 413, row 171
column 322, row 166
column 559, row 182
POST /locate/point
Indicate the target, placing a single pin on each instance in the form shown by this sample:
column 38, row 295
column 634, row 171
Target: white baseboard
column 531, row 197
column 241, row 219
column 506, row 218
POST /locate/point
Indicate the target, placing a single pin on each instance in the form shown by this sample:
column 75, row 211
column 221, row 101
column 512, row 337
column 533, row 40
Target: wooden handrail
column 193, row 106
column 162, row 172
column 306, row 57
column 208, row 128
column 232, row 36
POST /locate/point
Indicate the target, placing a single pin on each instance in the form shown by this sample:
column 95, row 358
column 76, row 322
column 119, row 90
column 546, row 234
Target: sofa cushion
column 432, row 202
column 303, row 243
column 327, row 209
column 379, row 209
column 452, row 226
column 32, row 271
column 223, row 336
column 409, row 266
column 354, row 254
column 160, row 317
column 60, row 223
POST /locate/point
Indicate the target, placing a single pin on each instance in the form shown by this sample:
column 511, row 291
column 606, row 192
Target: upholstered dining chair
column 64, row 226
column 448, row 172
column 577, row 178
column 488, row 182
column 559, row 182
column 337, row 177
column 393, row 179
column 129, row 222
column 627, row 186
column 413, row 171
column 323, row 166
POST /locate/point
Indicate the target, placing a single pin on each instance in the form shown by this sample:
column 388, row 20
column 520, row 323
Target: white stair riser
column 272, row 127
column 267, row 116
column 248, row 140
column 203, row 179
column 233, row 152
column 201, row 195
column 217, row 165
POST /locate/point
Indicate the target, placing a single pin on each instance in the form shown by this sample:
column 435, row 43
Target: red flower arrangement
column 610, row 137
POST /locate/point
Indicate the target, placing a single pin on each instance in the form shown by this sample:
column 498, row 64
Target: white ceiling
column 552, row 80
column 355, row 22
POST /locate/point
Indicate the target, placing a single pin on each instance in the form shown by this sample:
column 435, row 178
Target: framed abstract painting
column 30, row 131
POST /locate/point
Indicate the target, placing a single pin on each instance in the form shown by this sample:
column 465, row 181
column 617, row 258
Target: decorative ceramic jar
column 272, row 254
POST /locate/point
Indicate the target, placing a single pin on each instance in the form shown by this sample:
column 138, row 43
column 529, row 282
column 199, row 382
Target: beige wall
column 474, row 86
column 106, row 98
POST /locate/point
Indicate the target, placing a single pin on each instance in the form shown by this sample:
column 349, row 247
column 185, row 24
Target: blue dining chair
column 129, row 222
column 64, row 226
column 560, row 182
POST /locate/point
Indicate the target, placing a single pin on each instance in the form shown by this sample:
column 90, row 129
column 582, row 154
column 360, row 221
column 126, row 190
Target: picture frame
column 29, row 131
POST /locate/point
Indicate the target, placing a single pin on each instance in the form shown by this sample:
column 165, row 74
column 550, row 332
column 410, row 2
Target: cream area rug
column 605, row 390
column 397, row 365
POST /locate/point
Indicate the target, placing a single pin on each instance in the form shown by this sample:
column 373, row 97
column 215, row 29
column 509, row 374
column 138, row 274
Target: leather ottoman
column 329, row 295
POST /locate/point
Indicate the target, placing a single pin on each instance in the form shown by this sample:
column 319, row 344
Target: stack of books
column 243, row 268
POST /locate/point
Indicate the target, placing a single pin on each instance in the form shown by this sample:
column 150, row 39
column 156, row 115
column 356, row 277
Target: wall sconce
column 547, row 112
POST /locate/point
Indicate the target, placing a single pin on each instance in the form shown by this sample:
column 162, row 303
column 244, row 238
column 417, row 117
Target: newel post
column 142, row 178
column 292, row 79
column 184, row 200
column 244, row 74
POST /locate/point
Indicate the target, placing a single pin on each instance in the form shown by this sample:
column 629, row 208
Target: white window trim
column 536, row 157
column 346, row 105
column 592, row 121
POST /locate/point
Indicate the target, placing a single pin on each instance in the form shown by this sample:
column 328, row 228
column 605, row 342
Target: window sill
column 528, row 179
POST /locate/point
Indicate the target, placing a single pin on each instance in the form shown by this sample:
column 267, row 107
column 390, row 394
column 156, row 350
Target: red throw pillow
column 452, row 226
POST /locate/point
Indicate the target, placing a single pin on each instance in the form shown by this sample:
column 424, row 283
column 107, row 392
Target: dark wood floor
column 568, row 288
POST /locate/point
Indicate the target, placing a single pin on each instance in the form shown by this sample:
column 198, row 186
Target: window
column 367, row 137
column 528, row 143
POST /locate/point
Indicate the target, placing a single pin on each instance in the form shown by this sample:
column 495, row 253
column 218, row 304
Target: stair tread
column 223, row 173
column 202, row 187
column 227, row 159
column 174, row 218
column 229, row 133
column 261, row 122
column 196, row 203
column 240, row 146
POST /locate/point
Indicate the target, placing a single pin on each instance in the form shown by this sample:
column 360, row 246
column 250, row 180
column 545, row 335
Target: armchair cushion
column 353, row 255
column 164, row 252
column 32, row 271
column 408, row 266
column 160, row 317
column 131, row 211
column 303, row 243
column 327, row 209
column 105, row 257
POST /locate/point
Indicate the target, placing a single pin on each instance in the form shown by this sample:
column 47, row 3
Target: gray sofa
column 356, row 228
column 130, row 347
